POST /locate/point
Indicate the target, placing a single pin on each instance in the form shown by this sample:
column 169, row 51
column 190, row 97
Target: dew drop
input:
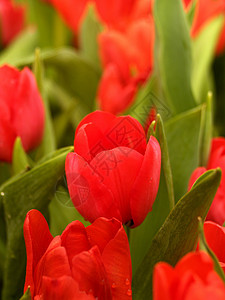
column 129, row 292
column 127, row 282
column 113, row 285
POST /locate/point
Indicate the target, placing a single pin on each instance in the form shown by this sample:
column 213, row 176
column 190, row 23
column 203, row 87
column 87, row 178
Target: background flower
column 21, row 111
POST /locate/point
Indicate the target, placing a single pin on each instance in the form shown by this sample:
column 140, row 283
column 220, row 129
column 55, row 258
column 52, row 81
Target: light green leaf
column 21, row 193
column 204, row 46
column 179, row 233
column 88, row 37
column 20, row 160
column 27, row 295
column 173, row 54
column 22, row 47
column 63, row 212
column 183, row 134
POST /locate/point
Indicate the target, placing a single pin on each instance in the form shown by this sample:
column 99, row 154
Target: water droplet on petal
column 113, row 285
column 129, row 292
column 127, row 282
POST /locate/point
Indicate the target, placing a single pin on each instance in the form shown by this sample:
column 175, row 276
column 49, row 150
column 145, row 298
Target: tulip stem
column 127, row 229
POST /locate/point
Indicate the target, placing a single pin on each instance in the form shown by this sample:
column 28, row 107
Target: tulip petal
column 7, row 133
column 90, row 141
column 75, row 240
column 102, row 120
column 146, row 184
column 89, row 195
column 117, row 262
column 88, row 270
column 28, row 111
column 118, row 169
column 72, row 11
column 127, row 132
column 63, row 288
column 215, row 237
column 163, row 277
column 102, row 231
column 197, row 262
column 53, row 264
column 37, row 239
column 114, row 95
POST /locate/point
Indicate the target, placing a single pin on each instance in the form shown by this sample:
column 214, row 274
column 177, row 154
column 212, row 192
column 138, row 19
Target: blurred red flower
column 82, row 263
column 216, row 159
column 127, row 59
column 11, row 20
column 206, row 10
column 193, row 278
column 215, row 238
column 116, row 170
column 21, row 111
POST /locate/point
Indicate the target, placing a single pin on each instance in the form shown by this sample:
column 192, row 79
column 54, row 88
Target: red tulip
column 113, row 172
column 124, row 67
column 207, row 10
column 193, row 278
column 216, row 159
column 21, row 111
column 215, row 237
column 116, row 14
column 11, row 19
column 82, row 263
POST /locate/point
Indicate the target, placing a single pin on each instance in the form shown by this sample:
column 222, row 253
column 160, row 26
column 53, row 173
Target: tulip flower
column 11, row 19
column 83, row 263
column 206, row 10
column 21, row 111
column 124, row 69
column 115, row 14
column 216, row 159
column 193, row 278
column 215, row 238
column 113, row 171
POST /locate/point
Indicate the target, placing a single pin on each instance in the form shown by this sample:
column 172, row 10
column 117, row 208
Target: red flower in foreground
column 206, row 10
column 216, row 159
column 21, row 111
column 113, row 172
column 193, row 278
column 215, row 237
column 11, row 20
column 82, row 263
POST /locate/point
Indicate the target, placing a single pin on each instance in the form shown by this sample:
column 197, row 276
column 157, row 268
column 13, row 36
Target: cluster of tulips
column 135, row 208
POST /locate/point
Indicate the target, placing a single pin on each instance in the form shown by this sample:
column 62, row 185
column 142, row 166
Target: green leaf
column 145, row 100
column 173, row 54
column 179, row 233
column 63, row 212
column 48, row 142
column 160, row 134
column 20, row 161
column 22, row 47
column 207, row 131
column 204, row 46
column 20, row 194
column 88, row 37
column 183, row 134
column 27, row 295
